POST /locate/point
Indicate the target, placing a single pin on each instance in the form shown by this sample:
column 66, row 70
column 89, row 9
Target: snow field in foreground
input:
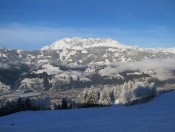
column 155, row 116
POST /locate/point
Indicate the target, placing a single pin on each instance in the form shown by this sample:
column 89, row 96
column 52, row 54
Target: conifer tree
column 105, row 98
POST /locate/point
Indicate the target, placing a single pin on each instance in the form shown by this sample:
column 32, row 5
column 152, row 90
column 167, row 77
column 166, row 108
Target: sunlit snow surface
column 155, row 116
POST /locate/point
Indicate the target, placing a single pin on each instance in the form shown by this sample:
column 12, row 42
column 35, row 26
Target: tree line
column 128, row 93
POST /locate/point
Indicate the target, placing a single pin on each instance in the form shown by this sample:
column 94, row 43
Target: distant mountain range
column 73, row 63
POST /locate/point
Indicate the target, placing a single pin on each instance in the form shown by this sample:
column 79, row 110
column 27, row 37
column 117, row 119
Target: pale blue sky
column 31, row 24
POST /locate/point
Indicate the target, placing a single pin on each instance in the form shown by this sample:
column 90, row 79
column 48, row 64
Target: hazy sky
column 31, row 24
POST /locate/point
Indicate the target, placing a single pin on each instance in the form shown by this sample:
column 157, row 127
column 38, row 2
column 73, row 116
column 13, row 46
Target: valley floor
column 155, row 116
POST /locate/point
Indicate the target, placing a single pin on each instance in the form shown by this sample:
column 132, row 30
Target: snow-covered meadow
column 157, row 115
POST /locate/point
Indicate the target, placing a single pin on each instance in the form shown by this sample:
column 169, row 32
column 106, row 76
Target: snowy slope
column 155, row 116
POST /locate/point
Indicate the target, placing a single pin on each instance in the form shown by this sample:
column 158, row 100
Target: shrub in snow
column 141, row 91
column 72, row 104
column 55, row 104
column 64, row 104
column 42, row 103
column 126, row 97
column 18, row 104
column 138, row 92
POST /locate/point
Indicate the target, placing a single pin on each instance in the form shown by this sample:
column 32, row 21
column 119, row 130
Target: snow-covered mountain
column 79, row 63
column 80, row 43
column 101, row 51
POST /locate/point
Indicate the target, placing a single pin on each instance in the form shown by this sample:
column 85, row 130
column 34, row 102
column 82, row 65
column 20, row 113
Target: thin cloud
column 35, row 37
column 162, row 67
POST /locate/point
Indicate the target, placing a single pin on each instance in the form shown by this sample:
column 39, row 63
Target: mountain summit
column 79, row 43
column 85, row 43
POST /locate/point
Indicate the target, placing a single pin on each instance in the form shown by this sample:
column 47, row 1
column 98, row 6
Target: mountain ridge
column 83, row 43
column 80, row 63
column 79, row 43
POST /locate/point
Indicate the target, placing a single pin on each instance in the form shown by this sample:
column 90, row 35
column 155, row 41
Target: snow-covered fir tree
column 90, row 96
column 105, row 97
